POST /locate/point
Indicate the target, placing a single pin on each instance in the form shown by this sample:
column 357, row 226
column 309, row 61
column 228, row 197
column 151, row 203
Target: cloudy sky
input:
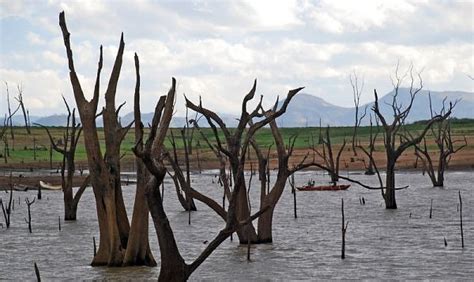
column 216, row 48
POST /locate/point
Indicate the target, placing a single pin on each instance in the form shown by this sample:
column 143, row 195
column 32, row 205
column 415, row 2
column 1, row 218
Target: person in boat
column 311, row 182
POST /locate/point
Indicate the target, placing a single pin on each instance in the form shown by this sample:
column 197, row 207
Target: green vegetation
column 21, row 150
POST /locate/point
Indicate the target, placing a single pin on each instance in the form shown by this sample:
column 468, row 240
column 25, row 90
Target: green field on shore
column 21, row 148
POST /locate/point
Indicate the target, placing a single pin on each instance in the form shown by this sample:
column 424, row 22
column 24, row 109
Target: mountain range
column 309, row 110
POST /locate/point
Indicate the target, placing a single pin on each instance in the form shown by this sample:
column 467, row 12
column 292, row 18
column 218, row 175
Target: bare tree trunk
column 105, row 172
column 389, row 194
column 138, row 249
column 173, row 266
column 247, row 232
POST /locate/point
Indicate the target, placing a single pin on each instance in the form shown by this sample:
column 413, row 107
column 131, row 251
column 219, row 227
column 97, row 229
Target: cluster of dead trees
column 8, row 121
column 126, row 243
column 396, row 138
column 123, row 242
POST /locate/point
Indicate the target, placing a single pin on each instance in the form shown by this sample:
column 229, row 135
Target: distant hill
column 177, row 121
column 307, row 110
column 53, row 120
column 421, row 110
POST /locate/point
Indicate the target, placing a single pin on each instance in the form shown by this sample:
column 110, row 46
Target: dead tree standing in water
column 235, row 147
column 356, row 93
column 7, row 210
column 185, row 200
column 173, row 266
column 441, row 132
column 327, row 156
column 28, row 203
column 68, row 150
column 104, row 169
column 395, row 142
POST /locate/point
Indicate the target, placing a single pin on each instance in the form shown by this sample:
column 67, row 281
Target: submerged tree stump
column 28, row 203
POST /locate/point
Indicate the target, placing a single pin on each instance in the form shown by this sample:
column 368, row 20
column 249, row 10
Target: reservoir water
column 380, row 244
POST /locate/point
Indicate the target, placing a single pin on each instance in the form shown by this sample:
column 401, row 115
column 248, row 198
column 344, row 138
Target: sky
column 215, row 49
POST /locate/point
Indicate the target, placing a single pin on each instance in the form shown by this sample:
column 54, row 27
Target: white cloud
column 274, row 14
column 53, row 57
column 35, row 38
column 41, row 89
column 355, row 16
column 216, row 49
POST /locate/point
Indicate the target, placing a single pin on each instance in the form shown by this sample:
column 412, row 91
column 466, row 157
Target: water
column 380, row 244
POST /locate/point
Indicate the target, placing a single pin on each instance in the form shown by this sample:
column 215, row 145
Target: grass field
column 22, row 152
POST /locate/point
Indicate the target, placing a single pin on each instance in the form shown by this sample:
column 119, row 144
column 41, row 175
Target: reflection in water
column 380, row 244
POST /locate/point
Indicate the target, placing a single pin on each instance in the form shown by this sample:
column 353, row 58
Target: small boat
column 49, row 186
column 323, row 187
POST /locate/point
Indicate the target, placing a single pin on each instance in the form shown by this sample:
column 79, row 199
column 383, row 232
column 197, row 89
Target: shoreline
column 32, row 180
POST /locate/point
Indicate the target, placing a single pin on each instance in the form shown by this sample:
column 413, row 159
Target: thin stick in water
column 460, row 218
column 431, row 208
column 38, row 276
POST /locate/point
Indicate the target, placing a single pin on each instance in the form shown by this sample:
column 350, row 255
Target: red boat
column 324, row 187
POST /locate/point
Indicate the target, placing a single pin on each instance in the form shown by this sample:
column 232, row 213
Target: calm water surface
column 380, row 244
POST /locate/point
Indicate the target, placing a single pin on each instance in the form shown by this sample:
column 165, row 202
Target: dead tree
column 7, row 210
column 22, row 105
column 224, row 180
column 185, row 200
column 114, row 227
column 327, row 155
column 28, row 203
column 270, row 196
column 395, row 141
column 187, row 138
column 441, row 133
column 356, row 93
column 235, row 147
column 68, row 151
column 173, row 266
column 369, row 151
column 9, row 123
